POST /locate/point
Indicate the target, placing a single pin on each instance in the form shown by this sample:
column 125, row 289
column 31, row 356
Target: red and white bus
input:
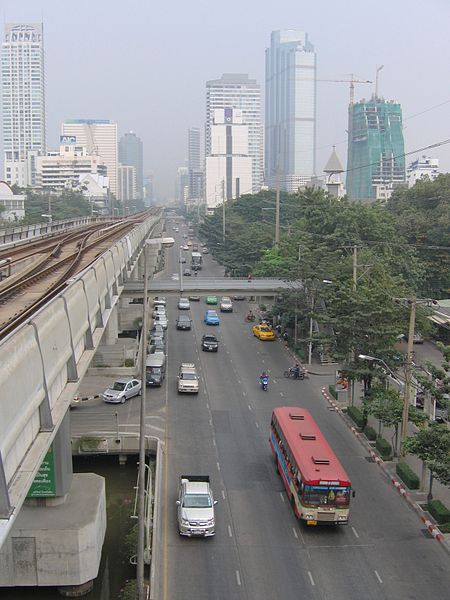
column 316, row 483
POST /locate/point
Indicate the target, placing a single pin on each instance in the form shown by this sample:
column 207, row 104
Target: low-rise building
column 12, row 206
column 422, row 168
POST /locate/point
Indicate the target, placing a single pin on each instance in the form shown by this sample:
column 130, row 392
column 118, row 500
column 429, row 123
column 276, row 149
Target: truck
column 187, row 379
column 196, row 261
column 195, row 506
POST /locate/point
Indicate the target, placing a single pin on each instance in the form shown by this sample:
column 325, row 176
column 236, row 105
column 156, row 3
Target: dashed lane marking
column 311, row 578
column 218, row 465
column 238, row 578
column 230, row 533
column 355, row 532
column 282, row 496
column 223, row 494
column 378, row 577
column 295, row 533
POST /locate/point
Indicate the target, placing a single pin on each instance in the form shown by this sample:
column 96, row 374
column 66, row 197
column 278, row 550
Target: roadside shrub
column 444, row 527
column 370, row 433
column 332, row 390
column 408, row 476
column 129, row 362
column 384, row 448
column 439, row 511
column 357, row 416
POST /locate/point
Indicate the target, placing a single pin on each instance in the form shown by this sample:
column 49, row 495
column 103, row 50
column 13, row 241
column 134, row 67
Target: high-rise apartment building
column 229, row 165
column 376, row 161
column 126, row 189
column 424, row 168
column 131, row 154
column 290, row 142
column 195, row 165
column 23, row 99
column 99, row 137
column 237, row 90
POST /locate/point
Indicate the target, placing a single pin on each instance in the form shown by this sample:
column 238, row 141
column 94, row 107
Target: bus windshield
column 315, row 495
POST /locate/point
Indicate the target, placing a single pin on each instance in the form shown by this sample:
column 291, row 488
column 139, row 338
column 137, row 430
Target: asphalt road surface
column 260, row 551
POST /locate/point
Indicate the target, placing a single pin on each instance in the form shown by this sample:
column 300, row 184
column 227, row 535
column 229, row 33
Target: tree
column 432, row 446
column 386, row 405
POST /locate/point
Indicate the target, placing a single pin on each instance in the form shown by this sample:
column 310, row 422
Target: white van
column 155, row 368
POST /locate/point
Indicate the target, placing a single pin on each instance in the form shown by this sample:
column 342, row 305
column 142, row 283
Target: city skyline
column 346, row 42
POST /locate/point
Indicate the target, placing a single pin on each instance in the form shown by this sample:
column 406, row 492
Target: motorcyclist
column 250, row 316
column 296, row 370
column 264, row 378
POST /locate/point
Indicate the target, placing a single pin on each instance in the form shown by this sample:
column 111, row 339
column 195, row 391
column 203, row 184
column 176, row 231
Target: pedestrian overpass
column 203, row 286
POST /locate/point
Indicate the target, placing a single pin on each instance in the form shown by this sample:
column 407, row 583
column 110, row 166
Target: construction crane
column 351, row 81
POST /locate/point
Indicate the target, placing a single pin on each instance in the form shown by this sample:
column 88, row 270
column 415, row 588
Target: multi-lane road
column 260, row 551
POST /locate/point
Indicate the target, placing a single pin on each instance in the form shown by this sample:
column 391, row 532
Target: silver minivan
column 155, row 368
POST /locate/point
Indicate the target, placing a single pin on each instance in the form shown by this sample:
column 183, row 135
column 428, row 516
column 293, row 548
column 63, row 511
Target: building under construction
column 376, row 161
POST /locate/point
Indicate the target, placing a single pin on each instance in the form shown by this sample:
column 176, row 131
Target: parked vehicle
column 196, row 506
column 121, row 390
column 161, row 319
column 155, row 368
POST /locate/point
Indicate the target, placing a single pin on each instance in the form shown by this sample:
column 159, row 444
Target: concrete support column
column 112, row 328
column 140, row 266
column 152, row 257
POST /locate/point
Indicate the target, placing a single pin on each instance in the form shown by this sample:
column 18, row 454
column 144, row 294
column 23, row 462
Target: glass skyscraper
column 131, row 155
column 237, row 90
column 23, row 99
column 376, row 161
column 290, row 110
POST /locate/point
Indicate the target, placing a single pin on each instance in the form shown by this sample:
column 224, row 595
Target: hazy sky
column 144, row 64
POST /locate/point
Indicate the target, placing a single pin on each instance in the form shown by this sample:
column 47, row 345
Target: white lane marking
column 238, row 578
column 230, row 533
column 214, row 441
column 355, row 532
column 281, row 394
column 257, row 426
column 210, row 423
column 295, row 533
column 223, row 494
column 239, row 381
column 378, row 577
column 311, row 578
column 218, row 466
column 244, row 393
column 249, row 407
column 207, row 405
column 281, row 496
column 274, row 380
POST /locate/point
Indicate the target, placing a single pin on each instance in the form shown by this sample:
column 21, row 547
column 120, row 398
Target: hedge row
column 332, row 390
column 370, row 433
column 408, row 476
column 439, row 511
column 384, row 448
column 356, row 415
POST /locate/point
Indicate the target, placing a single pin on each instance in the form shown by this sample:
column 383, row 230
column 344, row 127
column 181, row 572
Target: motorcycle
column 292, row 373
column 264, row 383
column 250, row 317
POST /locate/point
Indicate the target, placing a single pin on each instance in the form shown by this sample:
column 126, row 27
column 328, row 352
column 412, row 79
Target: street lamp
column 381, row 361
column 167, row 242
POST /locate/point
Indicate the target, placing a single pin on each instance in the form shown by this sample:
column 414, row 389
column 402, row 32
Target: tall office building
column 376, row 161
column 229, row 165
column 126, row 188
column 195, row 165
column 99, row 137
column 236, row 90
column 290, row 142
column 131, row 154
column 23, row 99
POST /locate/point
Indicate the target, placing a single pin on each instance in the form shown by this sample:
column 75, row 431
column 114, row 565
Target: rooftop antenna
column 376, row 80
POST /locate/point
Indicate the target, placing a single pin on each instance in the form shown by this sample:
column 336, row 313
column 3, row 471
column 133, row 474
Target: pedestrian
column 285, row 336
column 250, row 277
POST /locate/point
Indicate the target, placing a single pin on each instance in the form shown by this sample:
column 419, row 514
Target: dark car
column 156, row 345
column 239, row 297
column 210, row 343
column 183, row 322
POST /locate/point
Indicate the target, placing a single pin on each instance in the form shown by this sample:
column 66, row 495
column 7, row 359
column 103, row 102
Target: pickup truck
column 196, row 506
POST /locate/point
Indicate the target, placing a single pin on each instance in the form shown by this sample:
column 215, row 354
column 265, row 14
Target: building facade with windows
column 196, row 172
column 238, row 91
column 229, row 165
column 23, row 99
column 99, row 137
column 13, row 204
column 127, row 190
column 290, row 142
column 376, row 149
column 131, row 154
column 422, row 169
column 62, row 170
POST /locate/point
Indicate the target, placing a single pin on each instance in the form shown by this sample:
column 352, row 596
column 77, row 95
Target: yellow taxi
column 263, row 332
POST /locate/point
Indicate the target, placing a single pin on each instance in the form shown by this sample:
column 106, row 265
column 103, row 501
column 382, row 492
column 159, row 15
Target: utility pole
column 223, row 211
column 408, row 373
column 376, row 80
column 355, row 266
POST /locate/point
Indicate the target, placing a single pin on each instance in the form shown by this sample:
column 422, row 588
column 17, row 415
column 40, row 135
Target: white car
column 159, row 310
column 121, row 390
column 226, row 305
column 184, row 304
column 160, row 319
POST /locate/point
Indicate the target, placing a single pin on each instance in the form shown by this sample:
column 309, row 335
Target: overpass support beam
column 112, row 328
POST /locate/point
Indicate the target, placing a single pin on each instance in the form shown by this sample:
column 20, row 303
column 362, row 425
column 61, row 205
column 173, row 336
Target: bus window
column 315, row 495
